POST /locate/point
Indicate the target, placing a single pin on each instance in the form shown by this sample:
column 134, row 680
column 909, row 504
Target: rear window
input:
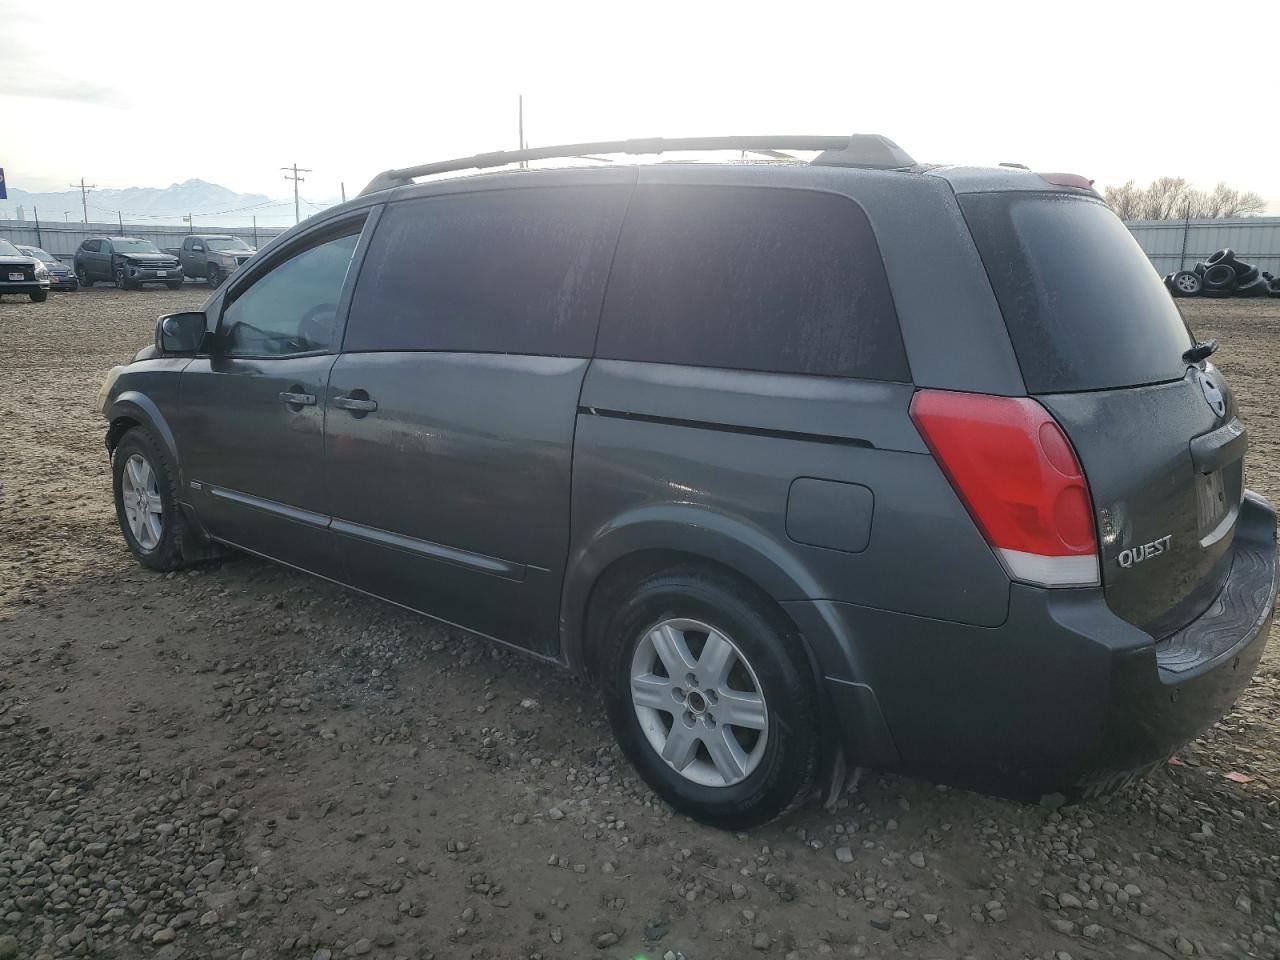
column 1084, row 307
column 748, row 278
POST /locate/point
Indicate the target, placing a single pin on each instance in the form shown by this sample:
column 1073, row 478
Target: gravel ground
column 239, row 761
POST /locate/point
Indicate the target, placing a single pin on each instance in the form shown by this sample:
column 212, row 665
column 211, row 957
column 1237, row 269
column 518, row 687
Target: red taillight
column 1018, row 476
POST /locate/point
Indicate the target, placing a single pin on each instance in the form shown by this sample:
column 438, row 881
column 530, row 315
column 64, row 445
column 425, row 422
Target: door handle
column 356, row 404
column 298, row 399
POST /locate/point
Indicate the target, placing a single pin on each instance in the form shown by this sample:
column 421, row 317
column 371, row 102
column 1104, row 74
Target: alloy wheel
column 699, row 702
column 140, row 496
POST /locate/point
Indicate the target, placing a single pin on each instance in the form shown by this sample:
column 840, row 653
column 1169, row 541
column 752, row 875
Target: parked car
column 213, row 256
column 20, row 273
column 129, row 262
column 700, row 432
column 61, row 276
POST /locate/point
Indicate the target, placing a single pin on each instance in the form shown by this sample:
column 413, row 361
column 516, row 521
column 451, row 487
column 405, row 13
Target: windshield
column 39, row 254
column 134, row 246
column 226, row 243
column 7, row 249
column 1084, row 307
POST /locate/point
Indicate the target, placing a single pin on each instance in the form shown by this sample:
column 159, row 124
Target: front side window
column 225, row 243
column 293, row 307
column 91, row 246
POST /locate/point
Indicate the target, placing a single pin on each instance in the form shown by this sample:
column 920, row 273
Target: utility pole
column 255, row 231
column 190, row 221
column 66, row 216
column 523, row 164
column 343, row 187
column 120, row 220
column 39, row 239
column 297, row 209
column 84, row 196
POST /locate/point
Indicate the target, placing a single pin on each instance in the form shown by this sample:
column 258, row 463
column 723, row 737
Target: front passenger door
column 253, row 410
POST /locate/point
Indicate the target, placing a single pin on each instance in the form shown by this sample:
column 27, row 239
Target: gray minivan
column 854, row 461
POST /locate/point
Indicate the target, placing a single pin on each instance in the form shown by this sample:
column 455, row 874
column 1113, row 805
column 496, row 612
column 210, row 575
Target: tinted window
column 751, row 279
column 1084, row 307
column 292, row 308
column 90, row 246
column 503, row 271
column 127, row 245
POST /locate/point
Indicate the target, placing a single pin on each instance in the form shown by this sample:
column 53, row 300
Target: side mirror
column 180, row 333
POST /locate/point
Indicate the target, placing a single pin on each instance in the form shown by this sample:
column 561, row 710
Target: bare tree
column 1172, row 198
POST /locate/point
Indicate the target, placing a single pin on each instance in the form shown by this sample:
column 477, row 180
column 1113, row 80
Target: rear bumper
column 1063, row 698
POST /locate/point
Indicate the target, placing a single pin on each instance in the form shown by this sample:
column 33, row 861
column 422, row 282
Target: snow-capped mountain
column 209, row 203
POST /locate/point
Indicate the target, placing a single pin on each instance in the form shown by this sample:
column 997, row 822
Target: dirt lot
column 242, row 762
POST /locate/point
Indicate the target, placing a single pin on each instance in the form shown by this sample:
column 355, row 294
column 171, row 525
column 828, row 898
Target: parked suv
column 129, row 262
column 711, row 435
column 20, row 273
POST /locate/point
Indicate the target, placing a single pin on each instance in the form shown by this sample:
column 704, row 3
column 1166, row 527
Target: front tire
column 39, row 296
column 144, row 482
column 82, row 277
column 710, row 698
column 214, row 276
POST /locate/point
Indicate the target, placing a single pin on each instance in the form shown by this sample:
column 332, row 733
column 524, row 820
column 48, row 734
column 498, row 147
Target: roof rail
column 859, row 150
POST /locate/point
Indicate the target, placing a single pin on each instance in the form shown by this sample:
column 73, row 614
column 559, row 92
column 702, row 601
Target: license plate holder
column 16, row 275
column 162, row 273
column 1211, row 500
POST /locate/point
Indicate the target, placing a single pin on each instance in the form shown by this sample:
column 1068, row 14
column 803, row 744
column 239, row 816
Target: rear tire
column 723, row 773
column 144, row 482
column 174, row 285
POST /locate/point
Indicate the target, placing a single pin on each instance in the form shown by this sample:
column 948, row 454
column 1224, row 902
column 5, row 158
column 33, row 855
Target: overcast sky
column 155, row 94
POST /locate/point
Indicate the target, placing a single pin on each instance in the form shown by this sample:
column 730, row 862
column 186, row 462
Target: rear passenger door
column 451, row 409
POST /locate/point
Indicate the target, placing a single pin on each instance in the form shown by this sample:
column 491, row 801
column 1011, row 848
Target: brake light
column 1019, row 478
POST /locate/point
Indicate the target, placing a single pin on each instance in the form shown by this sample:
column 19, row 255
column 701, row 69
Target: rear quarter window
column 1084, row 307
column 748, row 278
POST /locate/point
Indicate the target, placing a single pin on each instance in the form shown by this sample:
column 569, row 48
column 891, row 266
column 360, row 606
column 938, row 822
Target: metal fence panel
column 62, row 239
column 1178, row 244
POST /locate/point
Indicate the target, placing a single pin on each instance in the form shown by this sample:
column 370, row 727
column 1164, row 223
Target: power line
column 297, row 207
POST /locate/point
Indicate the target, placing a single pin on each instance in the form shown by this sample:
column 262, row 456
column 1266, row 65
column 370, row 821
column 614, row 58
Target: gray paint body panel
column 467, row 452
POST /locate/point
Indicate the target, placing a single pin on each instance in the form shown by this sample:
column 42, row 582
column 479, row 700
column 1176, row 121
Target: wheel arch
column 658, row 537
column 134, row 409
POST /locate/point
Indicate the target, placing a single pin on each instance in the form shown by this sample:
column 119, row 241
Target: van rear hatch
column 1101, row 342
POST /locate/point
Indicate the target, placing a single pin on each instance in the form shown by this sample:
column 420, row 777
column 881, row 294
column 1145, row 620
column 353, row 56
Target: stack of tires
column 1222, row 275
